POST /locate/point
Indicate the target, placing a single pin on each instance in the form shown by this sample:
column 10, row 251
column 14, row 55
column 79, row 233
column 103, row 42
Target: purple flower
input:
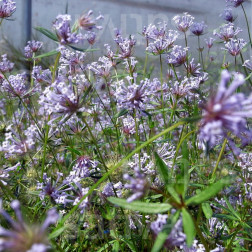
column 101, row 69
column 248, row 64
column 73, row 60
column 177, row 56
column 176, row 237
column 138, row 185
column 32, row 47
column 4, row 173
column 109, row 188
column 133, row 96
column 185, row 87
column 125, row 45
column 227, row 15
column 198, row 28
column 17, row 85
column 82, row 169
column 226, row 32
column 7, row 8
column 59, row 99
column 226, row 112
column 183, row 22
column 53, row 189
column 159, row 39
column 5, row 64
column 63, row 30
column 87, row 23
column 22, row 237
column 235, row 3
column 41, row 75
column 90, row 37
column 234, row 46
column 193, row 68
column 209, row 42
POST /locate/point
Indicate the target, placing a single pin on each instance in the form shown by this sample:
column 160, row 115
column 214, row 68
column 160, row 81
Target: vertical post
column 27, row 12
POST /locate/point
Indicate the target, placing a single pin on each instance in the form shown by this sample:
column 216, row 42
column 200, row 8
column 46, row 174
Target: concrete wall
column 128, row 15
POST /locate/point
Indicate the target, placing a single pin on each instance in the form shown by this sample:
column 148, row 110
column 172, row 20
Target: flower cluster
column 23, row 237
column 7, row 8
column 32, row 47
column 226, row 112
column 63, row 30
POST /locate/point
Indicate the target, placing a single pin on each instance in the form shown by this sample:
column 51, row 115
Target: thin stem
column 44, row 149
column 219, row 157
column 162, row 92
column 247, row 25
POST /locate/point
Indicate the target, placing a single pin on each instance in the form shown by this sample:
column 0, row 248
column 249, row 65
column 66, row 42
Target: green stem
column 247, row 25
column 219, row 157
column 44, row 149
column 105, row 176
column 162, row 92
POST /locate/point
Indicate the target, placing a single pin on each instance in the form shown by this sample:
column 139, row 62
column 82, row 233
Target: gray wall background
column 128, row 15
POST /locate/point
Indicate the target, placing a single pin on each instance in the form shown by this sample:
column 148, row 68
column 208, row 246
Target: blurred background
column 130, row 16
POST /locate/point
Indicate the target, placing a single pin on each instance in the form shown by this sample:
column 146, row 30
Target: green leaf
column 208, row 193
column 207, row 210
column 174, row 194
column 141, row 206
column 83, row 50
column 47, row 33
column 162, row 168
column 53, row 52
column 188, row 226
column 232, row 209
column 121, row 113
column 57, row 232
column 129, row 243
column 116, row 246
column 73, row 150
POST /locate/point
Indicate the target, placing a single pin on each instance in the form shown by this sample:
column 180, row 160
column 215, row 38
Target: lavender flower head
column 87, row 23
column 226, row 32
column 7, row 8
column 177, row 56
column 59, row 99
column 134, row 96
column 32, row 47
column 234, row 46
column 101, row 69
column 183, row 22
column 198, row 28
column 63, row 30
column 235, row 3
column 176, row 237
column 5, row 64
column 227, row 15
column 137, row 184
column 226, row 112
column 125, row 45
column 159, row 39
column 209, row 42
column 22, row 237
column 248, row 64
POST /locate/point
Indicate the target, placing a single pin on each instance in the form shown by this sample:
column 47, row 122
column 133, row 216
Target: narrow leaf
column 57, row 232
column 141, row 206
column 47, row 33
column 162, row 168
column 53, row 52
column 188, row 226
column 207, row 210
column 208, row 193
